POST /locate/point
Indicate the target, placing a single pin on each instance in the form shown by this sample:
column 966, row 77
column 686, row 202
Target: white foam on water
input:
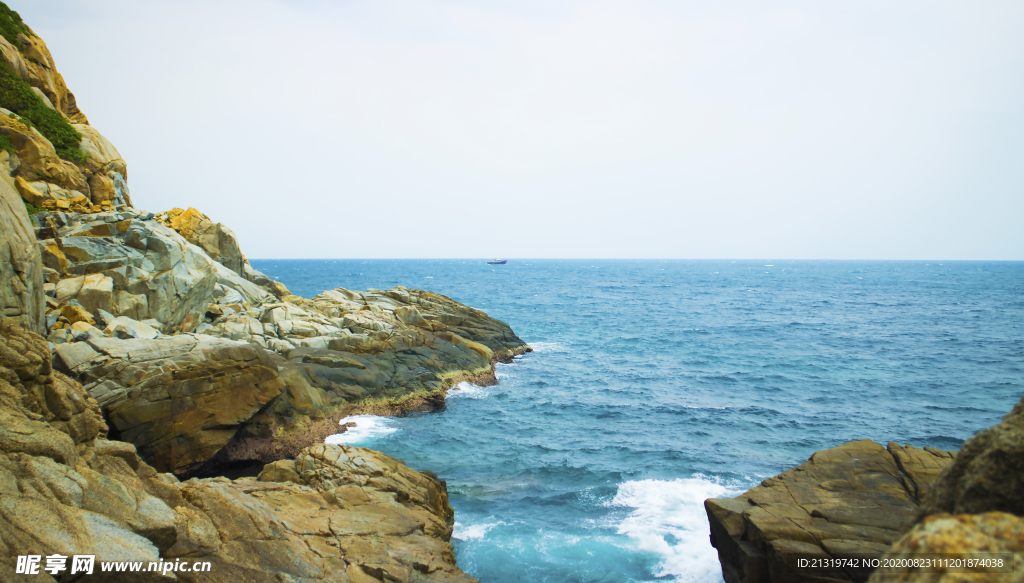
column 472, row 531
column 467, row 390
column 669, row 520
column 546, row 347
column 367, row 427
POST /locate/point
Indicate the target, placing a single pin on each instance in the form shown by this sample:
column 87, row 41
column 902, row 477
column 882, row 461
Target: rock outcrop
column 178, row 400
column 21, row 273
column 127, row 264
column 336, row 514
column 974, row 508
column 851, row 501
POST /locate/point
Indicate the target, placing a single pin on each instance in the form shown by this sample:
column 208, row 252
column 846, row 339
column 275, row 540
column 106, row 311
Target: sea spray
column 669, row 520
column 367, row 427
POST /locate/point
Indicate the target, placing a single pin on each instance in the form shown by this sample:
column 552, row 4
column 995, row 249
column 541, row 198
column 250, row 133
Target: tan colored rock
column 988, row 474
column 41, row 73
column 182, row 398
column 28, row 193
column 39, row 160
column 995, row 536
column 21, row 268
column 851, row 501
column 96, row 293
column 975, row 506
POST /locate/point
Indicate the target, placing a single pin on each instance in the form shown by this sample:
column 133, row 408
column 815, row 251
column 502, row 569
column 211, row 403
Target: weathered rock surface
column 975, row 506
column 849, row 501
column 336, row 514
column 130, row 265
column 21, row 273
column 178, row 400
column 988, row 474
column 216, row 239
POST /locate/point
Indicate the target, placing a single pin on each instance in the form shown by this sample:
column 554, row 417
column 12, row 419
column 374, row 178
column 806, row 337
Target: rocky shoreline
column 138, row 349
column 861, row 501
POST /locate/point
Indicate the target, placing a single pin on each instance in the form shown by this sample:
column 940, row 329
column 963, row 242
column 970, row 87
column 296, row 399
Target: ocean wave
column 466, row 390
column 668, row 520
column 540, row 347
column 367, row 427
column 472, row 531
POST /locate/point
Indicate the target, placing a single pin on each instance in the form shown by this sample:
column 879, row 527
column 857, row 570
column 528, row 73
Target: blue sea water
column 657, row 384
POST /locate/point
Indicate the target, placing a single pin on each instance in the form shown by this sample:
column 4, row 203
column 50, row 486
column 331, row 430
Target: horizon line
column 607, row 259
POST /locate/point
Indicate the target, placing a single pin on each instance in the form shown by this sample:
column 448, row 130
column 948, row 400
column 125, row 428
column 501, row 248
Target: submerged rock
column 851, row 501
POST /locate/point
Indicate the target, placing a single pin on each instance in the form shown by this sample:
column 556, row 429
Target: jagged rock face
column 189, row 399
column 849, row 501
column 348, row 515
column 975, row 506
column 178, row 400
column 21, row 274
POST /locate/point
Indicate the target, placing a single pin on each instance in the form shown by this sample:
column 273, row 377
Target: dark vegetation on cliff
column 11, row 24
column 17, row 96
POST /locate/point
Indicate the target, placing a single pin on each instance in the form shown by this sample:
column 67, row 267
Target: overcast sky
column 861, row 130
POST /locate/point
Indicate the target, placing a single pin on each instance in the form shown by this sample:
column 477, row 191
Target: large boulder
column 391, row 523
column 974, row 510
column 848, row 502
column 178, row 400
column 216, row 239
column 21, row 270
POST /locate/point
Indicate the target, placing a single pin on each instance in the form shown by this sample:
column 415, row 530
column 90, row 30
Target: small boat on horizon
column 497, row 262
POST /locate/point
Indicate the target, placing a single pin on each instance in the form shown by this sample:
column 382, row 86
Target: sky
column 564, row 129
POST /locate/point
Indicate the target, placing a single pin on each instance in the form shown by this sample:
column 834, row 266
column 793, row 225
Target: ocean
column 656, row 384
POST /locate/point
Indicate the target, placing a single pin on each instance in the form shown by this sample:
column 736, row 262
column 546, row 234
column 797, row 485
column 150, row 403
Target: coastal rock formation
column 127, row 264
column 21, row 273
column 851, row 501
column 178, row 400
column 344, row 352
column 975, row 506
column 339, row 514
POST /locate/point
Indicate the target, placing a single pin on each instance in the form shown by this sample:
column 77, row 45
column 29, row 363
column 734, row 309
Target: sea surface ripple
column 656, row 384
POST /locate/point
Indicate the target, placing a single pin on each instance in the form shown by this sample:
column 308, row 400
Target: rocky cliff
column 139, row 348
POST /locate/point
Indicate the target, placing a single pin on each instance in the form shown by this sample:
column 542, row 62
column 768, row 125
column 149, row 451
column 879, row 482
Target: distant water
column 656, row 384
